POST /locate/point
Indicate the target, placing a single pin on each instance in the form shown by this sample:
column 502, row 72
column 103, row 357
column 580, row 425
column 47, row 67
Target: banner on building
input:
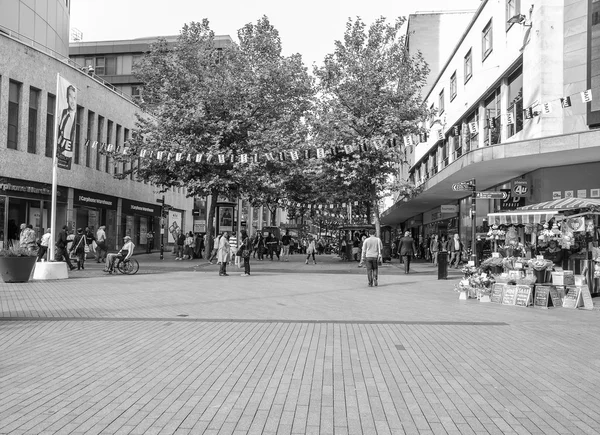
column 66, row 108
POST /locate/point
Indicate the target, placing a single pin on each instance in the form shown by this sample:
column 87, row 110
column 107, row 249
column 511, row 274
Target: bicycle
column 128, row 267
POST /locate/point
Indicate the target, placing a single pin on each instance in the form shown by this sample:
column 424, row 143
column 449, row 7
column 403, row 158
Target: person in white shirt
column 371, row 255
column 43, row 245
column 101, row 244
column 124, row 254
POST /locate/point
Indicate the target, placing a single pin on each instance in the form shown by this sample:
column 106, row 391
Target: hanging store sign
column 520, row 188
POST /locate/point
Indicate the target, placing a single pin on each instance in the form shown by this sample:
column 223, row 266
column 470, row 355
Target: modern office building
column 34, row 49
column 511, row 110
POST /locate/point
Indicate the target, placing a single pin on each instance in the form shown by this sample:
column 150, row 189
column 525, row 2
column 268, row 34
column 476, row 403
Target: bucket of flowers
column 492, row 265
column 464, row 287
column 541, row 269
column 482, row 283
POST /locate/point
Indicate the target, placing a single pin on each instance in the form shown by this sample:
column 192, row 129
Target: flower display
column 495, row 233
column 540, row 264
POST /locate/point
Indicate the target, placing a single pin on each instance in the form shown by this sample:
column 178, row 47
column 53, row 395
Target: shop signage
column 594, row 193
column 541, row 296
column 569, row 194
column 520, row 188
column 449, row 208
column 523, row 298
column 572, row 298
column 129, row 207
column 91, row 199
column 497, row 293
column 463, row 185
column 511, row 202
column 584, row 297
column 491, row 195
column 30, row 189
column 510, row 294
column 556, row 299
column 557, row 194
column 582, row 193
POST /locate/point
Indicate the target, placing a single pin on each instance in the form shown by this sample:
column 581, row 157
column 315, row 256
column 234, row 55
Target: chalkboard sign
column 542, row 292
column 510, row 293
column 523, row 298
column 497, row 291
column 588, row 303
column 572, row 298
column 555, row 296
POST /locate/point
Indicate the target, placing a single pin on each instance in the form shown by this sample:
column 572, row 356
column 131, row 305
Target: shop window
column 471, row 139
column 441, row 102
column 14, row 97
column 486, row 41
column 99, row 139
column 468, row 66
column 32, row 122
column 109, row 140
column 453, row 88
column 78, row 119
column 515, row 102
column 90, row 129
column 513, row 7
column 51, row 103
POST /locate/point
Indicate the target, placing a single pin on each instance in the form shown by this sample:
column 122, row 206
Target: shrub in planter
column 16, row 264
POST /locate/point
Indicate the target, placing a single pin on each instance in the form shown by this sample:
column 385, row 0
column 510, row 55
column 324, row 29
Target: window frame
column 468, row 60
column 453, row 86
column 487, row 30
column 516, row 10
column 441, row 105
column 33, row 119
column 13, row 115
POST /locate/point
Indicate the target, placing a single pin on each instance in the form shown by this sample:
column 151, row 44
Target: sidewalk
column 292, row 349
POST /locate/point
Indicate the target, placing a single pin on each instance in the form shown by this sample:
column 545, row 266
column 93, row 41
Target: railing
column 25, row 40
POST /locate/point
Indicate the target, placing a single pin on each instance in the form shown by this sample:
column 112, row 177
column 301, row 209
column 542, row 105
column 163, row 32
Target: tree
column 210, row 106
column 370, row 89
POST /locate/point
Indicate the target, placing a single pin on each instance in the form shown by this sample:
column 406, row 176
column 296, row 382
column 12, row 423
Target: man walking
column 407, row 250
column 455, row 248
column 285, row 243
column 61, row 248
column 371, row 255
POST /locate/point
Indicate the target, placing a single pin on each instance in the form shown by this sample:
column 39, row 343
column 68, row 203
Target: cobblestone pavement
column 293, row 349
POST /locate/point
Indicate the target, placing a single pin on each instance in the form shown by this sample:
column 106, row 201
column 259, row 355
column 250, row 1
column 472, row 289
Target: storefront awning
column 520, row 217
column 563, row 204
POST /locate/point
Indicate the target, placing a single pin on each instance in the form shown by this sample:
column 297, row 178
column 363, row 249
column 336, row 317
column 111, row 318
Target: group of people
column 430, row 248
column 227, row 251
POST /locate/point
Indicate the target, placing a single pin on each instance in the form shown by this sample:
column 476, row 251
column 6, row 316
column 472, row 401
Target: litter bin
column 442, row 265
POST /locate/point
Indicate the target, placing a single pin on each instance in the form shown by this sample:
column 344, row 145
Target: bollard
column 442, row 265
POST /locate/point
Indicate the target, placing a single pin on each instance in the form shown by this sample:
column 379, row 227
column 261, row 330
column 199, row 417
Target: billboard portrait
column 226, row 219
column 66, row 104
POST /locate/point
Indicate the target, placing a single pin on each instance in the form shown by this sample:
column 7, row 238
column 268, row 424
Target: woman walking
column 435, row 249
column 223, row 253
column 244, row 252
column 310, row 250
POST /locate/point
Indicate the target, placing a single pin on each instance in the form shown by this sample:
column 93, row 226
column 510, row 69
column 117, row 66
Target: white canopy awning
column 521, row 217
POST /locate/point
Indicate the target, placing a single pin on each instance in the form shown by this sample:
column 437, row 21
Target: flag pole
column 54, row 178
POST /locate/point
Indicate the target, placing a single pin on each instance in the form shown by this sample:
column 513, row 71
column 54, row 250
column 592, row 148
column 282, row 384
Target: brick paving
column 293, row 349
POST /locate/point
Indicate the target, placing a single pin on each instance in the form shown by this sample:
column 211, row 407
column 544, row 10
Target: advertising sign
column 174, row 225
column 449, row 208
column 225, row 219
column 66, row 104
column 520, row 188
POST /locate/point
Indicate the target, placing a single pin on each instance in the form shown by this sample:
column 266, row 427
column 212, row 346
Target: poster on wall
column 129, row 229
column 143, row 230
column 66, row 107
column 200, row 226
column 226, row 219
column 174, row 225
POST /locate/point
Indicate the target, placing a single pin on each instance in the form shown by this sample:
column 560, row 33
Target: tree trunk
column 209, row 224
column 375, row 205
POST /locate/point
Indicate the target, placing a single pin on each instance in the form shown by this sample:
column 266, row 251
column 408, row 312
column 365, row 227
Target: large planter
column 16, row 269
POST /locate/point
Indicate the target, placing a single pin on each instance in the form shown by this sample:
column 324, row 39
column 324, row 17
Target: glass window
column 441, row 102
column 431, row 115
column 14, row 96
column 472, row 139
column 100, row 66
column 99, row 139
column 111, row 66
column 34, row 102
column 513, row 7
column 593, row 61
column 515, row 102
column 78, row 119
column 468, row 66
column 90, row 129
column 109, row 140
column 118, row 149
column 492, row 119
column 486, row 41
column 453, row 88
column 50, row 125
column 136, row 92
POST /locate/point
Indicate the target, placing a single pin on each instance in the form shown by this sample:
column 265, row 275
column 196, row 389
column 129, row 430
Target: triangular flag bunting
column 244, row 158
column 348, row 149
column 586, row 96
column 199, row 158
column 169, row 156
column 87, row 142
column 565, row 102
column 320, row 153
column 189, row 158
column 294, row 155
column 440, row 134
column 282, row 156
column 94, row 144
column 159, row 155
column 178, row 157
column 510, row 118
column 473, row 127
column 547, row 107
column 221, row 158
column 269, row 156
column 143, row 153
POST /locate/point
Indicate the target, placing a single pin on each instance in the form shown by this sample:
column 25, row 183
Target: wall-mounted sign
column 569, row 194
column 520, row 188
column 95, row 200
column 449, row 208
column 582, row 193
column 557, row 194
column 594, row 193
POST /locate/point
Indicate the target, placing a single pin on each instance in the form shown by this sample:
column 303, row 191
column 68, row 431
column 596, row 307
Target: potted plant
column 16, row 264
column 541, row 269
column 492, row 265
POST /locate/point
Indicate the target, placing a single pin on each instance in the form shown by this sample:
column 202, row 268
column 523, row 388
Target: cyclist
column 123, row 255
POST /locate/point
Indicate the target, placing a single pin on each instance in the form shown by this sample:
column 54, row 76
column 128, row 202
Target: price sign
column 495, row 255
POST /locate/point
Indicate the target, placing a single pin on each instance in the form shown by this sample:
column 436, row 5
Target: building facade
column 510, row 109
column 91, row 193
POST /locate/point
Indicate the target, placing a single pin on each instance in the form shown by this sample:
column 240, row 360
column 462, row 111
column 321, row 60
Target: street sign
column 159, row 200
column 465, row 185
column 491, row 195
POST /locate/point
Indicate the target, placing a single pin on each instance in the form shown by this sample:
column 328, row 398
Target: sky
column 308, row 27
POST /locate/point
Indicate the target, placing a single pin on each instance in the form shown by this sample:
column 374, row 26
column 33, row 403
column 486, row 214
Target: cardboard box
column 565, row 277
column 580, row 280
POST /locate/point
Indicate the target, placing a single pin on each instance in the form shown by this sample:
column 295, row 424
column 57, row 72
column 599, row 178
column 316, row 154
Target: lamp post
column 162, row 226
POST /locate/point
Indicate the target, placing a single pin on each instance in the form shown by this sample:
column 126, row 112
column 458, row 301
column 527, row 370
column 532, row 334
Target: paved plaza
column 292, row 349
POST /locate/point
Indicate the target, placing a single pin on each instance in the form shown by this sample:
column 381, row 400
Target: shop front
column 28, row 202
column 92, row 210
column 440, row 221
column 140, row 221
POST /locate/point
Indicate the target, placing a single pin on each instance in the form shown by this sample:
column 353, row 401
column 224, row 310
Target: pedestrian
column 223, row 253
column 149, row 242
column 371, row 256
column 343, row 247
column 435, row 249
column 233, row 248
column 260, row 246
column 78, row 248
column 199, row 246
column 455, row 247
column 311, row 250
column 407, row 250
column 44, row 241
column 356, row 247
column 272, row 244
column 285, row 244
column 179, row 244
column 443, row 244
column 89, row 241
column 124, row 254
column 215, row 249
column 102, row 249
column 189, row 244
column 23, row 236
column 244, row 252
column 61, row 247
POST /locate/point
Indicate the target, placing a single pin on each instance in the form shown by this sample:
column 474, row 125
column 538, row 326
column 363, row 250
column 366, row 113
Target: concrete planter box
column 16, row 269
